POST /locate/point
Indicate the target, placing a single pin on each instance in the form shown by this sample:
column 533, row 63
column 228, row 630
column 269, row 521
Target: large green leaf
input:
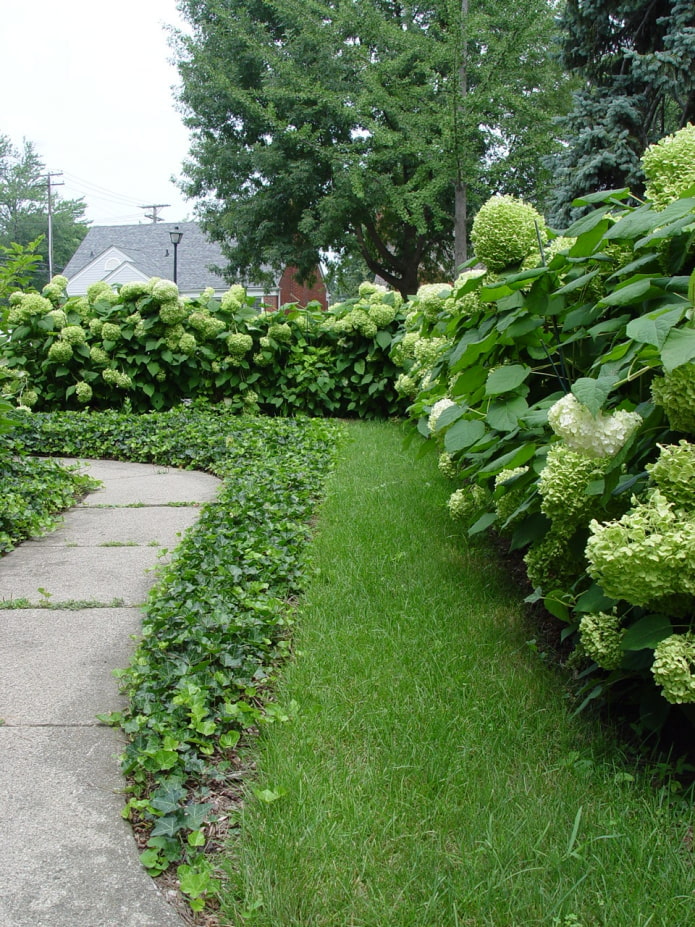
column 593, row 393
column 504, row 416
column 645, row 219
column 647, row 632
column 678, row 349
column 629, row 293
column 506, row 378
column 653, row 328
column 463, row 434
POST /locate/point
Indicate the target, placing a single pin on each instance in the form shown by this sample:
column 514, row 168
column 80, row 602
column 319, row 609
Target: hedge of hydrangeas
column 141, row 346
column 556, row 377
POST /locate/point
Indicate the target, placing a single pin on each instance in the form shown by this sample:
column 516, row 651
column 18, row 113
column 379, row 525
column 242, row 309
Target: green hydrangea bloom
column 60, row 319
column 239, row 344
column 430, row 298
column 601, row 635
column 173, row 312
column 60, row 281
column 381, row 314
column 550, row 564
column 30, row 397
column 53, row 292
column 95, row 326
column 436, row 411
column 674, row 668
column 427, row 350
column 674, row 473
column 165, row 291
column 504, row 232
column 669, row 166
column 447, row 466
column 83, row 391
column 675, row 393
column 207, row 325
column 101, row 291
column 80, row 305
column 110, row 331
column 563, row 482
column 405, row 385
column 33, row 304
column 117, row 378
column 508, row 498
column 60, row 352
column 280, row 331
column 173, row 336
column 234, row 298
column 467, row 503
column 99, row 356
column 646, row 555
column 132, row 291
column 404, row 351
column 74, row 334
column 188, row 344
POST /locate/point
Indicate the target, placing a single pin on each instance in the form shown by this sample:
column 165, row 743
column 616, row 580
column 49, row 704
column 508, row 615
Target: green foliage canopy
column 24, row 209
column 343, row 127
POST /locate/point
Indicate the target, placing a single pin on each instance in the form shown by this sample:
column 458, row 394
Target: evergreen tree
column 635, row 58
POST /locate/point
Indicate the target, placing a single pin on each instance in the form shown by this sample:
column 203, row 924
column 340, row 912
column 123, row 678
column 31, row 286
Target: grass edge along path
column 432, row 774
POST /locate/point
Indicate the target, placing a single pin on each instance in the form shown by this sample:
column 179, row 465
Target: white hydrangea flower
column 602, row 436
column 436, row 411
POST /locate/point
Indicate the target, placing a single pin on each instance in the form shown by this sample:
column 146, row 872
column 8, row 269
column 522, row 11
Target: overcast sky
column 90, row 84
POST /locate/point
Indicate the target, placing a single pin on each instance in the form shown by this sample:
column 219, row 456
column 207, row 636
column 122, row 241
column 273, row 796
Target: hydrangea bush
column 559, row 391
column 144, row 347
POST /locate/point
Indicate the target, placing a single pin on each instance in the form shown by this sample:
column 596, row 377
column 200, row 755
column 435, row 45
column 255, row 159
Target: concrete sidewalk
column 67, row 857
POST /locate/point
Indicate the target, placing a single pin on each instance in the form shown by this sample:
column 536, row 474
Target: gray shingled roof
column 150, row 249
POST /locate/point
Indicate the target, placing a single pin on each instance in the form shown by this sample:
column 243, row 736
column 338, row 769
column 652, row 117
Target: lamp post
column 176, row 237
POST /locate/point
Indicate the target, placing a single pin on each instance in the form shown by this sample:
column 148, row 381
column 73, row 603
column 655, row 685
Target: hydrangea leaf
column 506, row 378
column 462, row 434
column 504, row 416
column 653, row 329
column 593, row 393
column 629, row 293
column 647, row 632
column 678, row 349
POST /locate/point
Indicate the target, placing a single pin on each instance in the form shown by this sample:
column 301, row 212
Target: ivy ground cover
column 216, row 623
column 433, row 773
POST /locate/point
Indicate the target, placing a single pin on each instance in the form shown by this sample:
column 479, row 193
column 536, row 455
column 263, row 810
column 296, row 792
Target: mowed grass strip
column 433, row 775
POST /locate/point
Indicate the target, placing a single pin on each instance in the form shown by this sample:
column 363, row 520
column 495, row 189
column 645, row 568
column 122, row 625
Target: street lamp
column 176, row 237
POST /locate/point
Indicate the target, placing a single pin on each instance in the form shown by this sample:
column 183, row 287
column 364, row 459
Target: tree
column 24, row 209
column 635, row 59
column 339, row 126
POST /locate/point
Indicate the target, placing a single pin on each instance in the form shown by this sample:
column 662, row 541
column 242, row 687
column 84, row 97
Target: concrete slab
column 67, row 857
column 145, row 484
column 94, row 527
column 78, row 574
column 56, row 667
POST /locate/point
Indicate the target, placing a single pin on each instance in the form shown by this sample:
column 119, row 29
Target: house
column 129, row 253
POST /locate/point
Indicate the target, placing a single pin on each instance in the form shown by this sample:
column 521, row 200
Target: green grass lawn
column 433, row 775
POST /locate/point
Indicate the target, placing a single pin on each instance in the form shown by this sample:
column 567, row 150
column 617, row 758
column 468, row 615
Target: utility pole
column 154, row 215
column 50, row 183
